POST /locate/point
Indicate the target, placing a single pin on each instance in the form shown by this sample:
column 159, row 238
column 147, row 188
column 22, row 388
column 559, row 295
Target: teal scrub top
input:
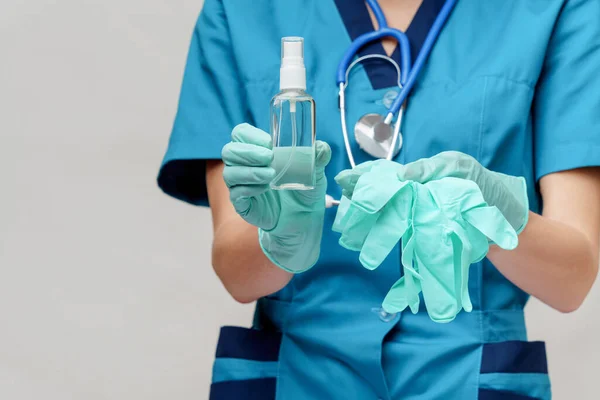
column 514, row 83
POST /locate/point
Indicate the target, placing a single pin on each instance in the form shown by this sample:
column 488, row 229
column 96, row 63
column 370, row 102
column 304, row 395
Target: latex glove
column 290, row 222
column 451, row 225
column 507, row 193
column 444, row 226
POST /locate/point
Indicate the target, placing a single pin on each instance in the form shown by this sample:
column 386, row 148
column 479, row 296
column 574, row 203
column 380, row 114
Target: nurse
column 512, row 87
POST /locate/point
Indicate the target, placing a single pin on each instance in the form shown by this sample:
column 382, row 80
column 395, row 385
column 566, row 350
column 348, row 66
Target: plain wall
column 106, row 288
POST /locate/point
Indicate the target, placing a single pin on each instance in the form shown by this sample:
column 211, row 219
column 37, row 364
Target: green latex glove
column 290, row 222
column 451, row 225
column 444, row 227
column 507, row 193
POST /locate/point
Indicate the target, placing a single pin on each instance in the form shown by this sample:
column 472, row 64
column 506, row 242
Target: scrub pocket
column 514, row 370
column 246, row 365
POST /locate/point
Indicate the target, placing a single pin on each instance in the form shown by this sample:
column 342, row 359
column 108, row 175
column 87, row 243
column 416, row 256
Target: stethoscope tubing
column 408, row 73
column 428, row 44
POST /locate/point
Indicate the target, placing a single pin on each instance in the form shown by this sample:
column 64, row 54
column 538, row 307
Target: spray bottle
column 293, row 122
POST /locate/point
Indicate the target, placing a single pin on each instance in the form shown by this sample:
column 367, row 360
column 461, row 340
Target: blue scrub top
column 514, row 83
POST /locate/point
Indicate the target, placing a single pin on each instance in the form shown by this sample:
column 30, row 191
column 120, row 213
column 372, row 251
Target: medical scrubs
column 514, row 83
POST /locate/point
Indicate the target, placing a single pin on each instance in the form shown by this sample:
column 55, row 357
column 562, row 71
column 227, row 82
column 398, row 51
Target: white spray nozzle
column 292, row 51
column 292, row 72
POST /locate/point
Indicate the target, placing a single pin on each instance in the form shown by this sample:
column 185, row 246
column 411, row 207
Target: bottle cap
column 292, row 73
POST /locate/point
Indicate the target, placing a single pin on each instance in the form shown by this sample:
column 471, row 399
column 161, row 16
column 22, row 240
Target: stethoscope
column 374, row 133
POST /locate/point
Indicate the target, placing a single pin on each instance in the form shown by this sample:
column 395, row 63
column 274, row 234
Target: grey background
column 106, row 288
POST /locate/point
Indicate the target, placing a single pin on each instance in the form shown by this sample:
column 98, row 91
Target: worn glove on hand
column 507, row 193
column 290, row 222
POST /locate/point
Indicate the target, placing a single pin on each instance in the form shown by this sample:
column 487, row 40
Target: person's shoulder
column 252, row 16
column 270, row 12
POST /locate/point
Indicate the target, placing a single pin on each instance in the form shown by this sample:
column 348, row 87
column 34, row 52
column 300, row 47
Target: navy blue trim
column 356, row 18
column 514, row 357
column 248, row 344
column 252, row 389
column 423, row 21
column 485, row 394
column 185, row 180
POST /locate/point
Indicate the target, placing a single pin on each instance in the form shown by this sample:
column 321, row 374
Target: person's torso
column 474, row 95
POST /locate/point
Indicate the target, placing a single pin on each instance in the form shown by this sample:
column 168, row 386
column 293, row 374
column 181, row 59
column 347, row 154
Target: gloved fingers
column 342, row 209
column 442, row 165
column 491, row 222
column 413, row 288
column 456, row 164
column 375, row 189
column 247, row 191
column 421, row 171
column 356, row 226
column 322, row 157
column 480, row 244
column 246, row 155
column 456, row 193
column 402, row 295
column 396, row 299
column 242, row 205
column 246, row 133
column 247, row 176
column 388, row 230
column 509, row 194
column 465, row 297
column 372, row 193
column 357, row 221
column 476, row 250
column 347, row 179
column 408, row 253
column 412, row 278
column 323, row 154
column 463, row 252
column 262, row 212
column 439, row 289
column 457, row 196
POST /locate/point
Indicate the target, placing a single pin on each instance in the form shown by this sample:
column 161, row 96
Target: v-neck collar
column 356, row 18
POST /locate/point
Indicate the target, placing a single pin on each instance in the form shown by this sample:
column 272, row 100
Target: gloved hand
column 507, row 193
column 290, row 222
column 444, row 226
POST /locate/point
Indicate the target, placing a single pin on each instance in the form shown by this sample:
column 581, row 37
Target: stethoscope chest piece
column 375, row 137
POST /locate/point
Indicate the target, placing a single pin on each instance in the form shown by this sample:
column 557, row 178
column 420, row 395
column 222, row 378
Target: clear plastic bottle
column 293, row 122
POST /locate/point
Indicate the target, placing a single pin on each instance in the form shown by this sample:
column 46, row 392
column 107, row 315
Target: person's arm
column 237, row 258
column 557, row 258
column 558, row 253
